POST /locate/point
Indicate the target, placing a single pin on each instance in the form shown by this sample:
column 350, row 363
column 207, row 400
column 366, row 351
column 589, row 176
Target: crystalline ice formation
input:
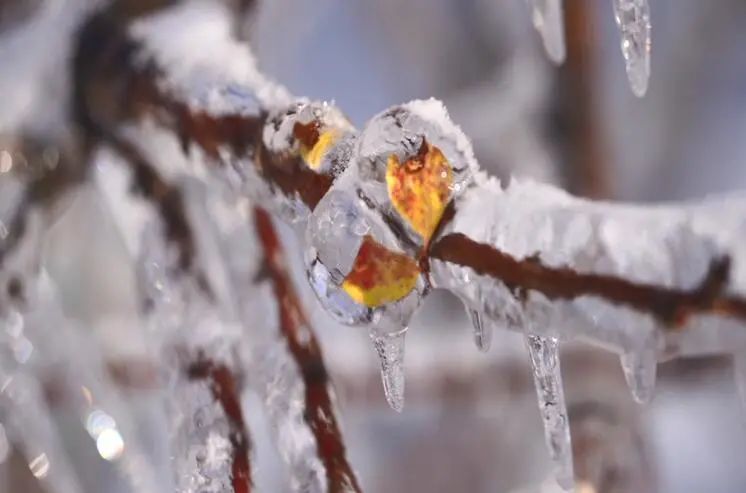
column 367, row 234
column 544, row 353
column 639, row 371
column 390, row 350
column 311, row 129
column 547, row 19
column 409, row 151
column 483, row 329
column 633, row 19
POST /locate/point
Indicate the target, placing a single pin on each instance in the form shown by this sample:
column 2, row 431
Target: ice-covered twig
column 580, row 268
column 292, row 331
column 401, row 207
column 301, row 341
column 226, row 391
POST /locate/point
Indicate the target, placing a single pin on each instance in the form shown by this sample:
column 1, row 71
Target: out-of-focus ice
column 547, row 18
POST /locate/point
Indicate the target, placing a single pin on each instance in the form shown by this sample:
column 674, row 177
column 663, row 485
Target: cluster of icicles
column 633, row 19
column 361, row 209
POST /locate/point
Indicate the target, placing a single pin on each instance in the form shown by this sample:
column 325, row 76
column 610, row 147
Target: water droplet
column 390, row 349
column 639, row 370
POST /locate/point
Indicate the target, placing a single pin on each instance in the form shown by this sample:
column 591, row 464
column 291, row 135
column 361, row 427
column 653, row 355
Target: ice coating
column 367, row 233
column 547, row 19
column 633, row 19
column 545, row 365
column 317, row 130
column 639, row 371
column 402, row 133
column 527, row 220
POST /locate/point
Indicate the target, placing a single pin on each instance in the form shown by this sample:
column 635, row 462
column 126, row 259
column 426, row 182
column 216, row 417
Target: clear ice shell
column 390, row 350
column 334, row 233
column 399, row 131
column 633, row 19
column 548, row 21
column 639, row 370
column 545, row 365
column 334, row 299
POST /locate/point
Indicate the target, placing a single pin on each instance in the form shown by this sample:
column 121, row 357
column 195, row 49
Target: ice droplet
column 639, row 370
column 547, row 19
column 390, row 349
column 545, row 365
column 482, row 330
column 633, row 19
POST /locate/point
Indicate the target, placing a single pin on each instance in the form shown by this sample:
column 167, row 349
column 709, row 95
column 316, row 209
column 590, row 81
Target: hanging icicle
column 483, row 329
column 390, row 350
column 639, row 371
column 633, row 19
column 545, row 364
column 548, row 20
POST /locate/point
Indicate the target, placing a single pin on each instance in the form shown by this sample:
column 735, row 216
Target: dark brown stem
column 306, row 351
column 670, row 306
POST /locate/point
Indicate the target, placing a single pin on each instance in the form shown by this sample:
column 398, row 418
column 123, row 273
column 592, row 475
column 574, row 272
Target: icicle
column 633, row 19
column 739, row 373
column 482, row 330
column 639, row 371
column 547, row 18
column 390, row 349
column 544, row 353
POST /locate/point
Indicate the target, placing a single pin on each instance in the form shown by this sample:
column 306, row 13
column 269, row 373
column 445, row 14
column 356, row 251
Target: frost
column 633, row 19
column 548, row 20
column 544, row 353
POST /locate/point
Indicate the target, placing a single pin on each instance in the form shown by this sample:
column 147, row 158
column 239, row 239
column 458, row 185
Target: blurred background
column 470, row 421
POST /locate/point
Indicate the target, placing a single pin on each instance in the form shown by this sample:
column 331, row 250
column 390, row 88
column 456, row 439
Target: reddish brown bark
column 305, row 349
column 226, row 392
column 669, row 305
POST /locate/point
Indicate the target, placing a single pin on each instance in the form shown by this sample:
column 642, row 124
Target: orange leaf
column 314, row 154
column 380, row 276
column 420, row 188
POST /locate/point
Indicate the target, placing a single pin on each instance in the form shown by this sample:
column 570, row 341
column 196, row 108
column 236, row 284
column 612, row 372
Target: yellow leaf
column 314, row 154
column 420, row 188
column 380, row 276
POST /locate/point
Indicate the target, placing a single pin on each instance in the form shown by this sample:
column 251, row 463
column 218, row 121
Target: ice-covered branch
column 401, row 207
column 698, row 262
